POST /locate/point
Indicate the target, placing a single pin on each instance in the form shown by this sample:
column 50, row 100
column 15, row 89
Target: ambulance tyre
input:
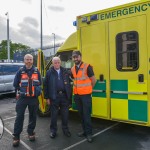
column 43, row 114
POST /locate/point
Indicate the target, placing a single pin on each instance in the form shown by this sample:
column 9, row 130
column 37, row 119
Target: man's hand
column 48, row 101
column 17, row 96
column 93, row 80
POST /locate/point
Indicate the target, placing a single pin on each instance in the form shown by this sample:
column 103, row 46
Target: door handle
column 125, row 92
column 99, row 91
column 140, row 78
column 101, row 77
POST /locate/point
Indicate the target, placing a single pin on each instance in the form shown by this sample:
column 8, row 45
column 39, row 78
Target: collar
column 25, row 69
column 79, row 64
column 58, row 71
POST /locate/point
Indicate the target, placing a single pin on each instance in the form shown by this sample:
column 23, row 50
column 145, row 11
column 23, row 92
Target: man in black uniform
column 27, row 84
column 57, row 91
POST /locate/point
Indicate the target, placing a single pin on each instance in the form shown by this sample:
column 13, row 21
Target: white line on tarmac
column 67, row 148
column 23, row 143
column 13, row 117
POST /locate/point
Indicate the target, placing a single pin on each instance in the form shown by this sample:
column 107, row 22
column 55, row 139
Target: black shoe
column 89, row 138
column 52, row 135
column 81, row 134
column 16, row 142
column 67, row 133
column 31, row 137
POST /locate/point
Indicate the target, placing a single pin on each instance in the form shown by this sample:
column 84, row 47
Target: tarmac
column 107, row 135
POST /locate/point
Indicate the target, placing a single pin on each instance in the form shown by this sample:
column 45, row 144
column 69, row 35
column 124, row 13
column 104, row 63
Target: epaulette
column 35, row 69
column 21, row 70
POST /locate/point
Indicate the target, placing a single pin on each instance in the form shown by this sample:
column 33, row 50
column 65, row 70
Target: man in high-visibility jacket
column 84, row 81
column 27, row 84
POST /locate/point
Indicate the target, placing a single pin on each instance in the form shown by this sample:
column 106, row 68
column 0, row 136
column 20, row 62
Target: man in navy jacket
column 58, row 93
column 28, row 88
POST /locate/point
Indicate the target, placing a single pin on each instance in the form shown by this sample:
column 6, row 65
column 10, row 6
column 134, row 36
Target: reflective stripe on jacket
column 82, row 83
column 28, row 84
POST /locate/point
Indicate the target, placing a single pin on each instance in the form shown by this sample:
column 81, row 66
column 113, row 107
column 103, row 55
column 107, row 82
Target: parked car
column 7, row 74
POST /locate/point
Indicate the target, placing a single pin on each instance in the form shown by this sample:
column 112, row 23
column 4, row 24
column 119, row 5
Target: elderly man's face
column 56, row 64
column 28, row 60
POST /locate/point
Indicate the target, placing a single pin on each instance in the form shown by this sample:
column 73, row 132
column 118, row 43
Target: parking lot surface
column 107, row 135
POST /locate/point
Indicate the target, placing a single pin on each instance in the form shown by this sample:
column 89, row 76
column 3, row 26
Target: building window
column 127, row 51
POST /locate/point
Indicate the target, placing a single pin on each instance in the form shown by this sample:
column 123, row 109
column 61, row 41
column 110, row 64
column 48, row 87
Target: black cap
column 76, row 53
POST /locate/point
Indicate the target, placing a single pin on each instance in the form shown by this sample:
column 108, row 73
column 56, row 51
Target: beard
column 29, row 65
column 77, row 62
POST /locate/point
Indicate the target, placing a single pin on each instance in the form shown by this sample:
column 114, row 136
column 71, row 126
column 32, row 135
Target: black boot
column 16, row 141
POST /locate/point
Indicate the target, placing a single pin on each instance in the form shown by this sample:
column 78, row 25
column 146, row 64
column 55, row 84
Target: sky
column 58, row 17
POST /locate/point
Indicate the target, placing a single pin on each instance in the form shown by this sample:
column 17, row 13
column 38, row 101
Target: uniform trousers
column 84, row 105
column 21, row 105
column 61, row 104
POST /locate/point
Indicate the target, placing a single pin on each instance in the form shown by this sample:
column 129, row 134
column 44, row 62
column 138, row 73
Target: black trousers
column 84, row 105
column 60, row 103
column 21, row 105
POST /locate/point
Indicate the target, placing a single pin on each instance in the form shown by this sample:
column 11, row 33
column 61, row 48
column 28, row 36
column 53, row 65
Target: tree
column 14, row 47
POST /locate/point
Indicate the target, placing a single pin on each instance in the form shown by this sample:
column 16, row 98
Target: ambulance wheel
column 43, row 114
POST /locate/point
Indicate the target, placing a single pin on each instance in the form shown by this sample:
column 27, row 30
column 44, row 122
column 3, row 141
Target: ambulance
column 116, row 42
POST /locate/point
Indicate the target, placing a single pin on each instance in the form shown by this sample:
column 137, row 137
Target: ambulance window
column 127, row 51
column 66, row 60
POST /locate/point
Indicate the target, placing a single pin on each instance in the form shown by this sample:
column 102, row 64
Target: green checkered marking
column 99, row 86
column 73, row 103
column 137, row 110
column 119, row 85
column 74, row 106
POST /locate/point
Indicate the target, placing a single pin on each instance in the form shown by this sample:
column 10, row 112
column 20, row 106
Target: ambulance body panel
column 115, row 42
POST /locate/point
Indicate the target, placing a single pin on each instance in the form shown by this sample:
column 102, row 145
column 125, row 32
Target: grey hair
column 56, row 58
column 28, row 55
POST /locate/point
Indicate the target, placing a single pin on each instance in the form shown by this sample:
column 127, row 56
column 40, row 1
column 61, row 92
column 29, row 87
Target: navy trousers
column 21, row 105
column 60, row 103
column 84, row 105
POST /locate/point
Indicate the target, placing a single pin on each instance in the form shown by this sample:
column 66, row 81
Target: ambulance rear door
column 93, row 46
column 128, row 69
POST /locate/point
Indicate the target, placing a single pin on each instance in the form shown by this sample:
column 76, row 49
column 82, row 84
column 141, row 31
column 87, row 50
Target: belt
column 61, row 92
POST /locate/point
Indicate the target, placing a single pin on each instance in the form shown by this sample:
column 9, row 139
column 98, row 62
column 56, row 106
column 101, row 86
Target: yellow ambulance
column 116, row 42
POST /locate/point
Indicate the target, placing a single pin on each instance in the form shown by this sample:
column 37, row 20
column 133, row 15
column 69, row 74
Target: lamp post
column 41, row 28
column 54, row 42
column 8, row 45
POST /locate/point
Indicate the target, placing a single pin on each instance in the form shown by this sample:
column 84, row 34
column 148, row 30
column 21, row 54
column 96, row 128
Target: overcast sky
column 58, row 17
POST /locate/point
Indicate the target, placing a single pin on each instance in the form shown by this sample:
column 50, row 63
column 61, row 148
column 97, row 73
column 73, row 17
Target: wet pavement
column 108, row 135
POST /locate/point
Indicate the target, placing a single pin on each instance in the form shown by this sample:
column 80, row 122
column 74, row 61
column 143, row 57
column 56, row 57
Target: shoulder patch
column 21, row 70
column 35, row 69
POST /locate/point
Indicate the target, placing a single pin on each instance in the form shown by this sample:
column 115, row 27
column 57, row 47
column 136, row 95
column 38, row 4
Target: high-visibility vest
column 28, row 84
column 82, row 83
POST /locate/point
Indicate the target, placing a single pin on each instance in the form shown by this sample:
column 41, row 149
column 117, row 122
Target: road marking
column 13, row 117
column 23, row 143
column 67, row 148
